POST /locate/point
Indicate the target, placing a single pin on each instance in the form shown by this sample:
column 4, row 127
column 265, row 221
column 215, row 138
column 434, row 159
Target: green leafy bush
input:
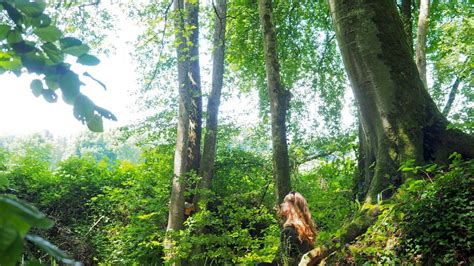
column 237, row 225
column 133, row 214
column 328, row 190
column 429, row 220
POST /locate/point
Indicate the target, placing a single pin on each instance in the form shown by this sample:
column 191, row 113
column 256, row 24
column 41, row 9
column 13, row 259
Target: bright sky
column 22, row 113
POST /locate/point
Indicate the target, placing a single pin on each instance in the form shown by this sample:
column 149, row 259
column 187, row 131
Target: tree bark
column 399, row 120
column 188, row 134
column 421, row 34
column 279, row 100
column 195, row 114
column 407, row 19
column 206, row 168
column 210, row 139
column 451, row 97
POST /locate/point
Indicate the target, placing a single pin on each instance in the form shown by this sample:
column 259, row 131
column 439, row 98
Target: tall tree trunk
column 407, row 19
column 421, row 33
column 210, row 145
column 195, row 115
column 206, row 168
column 176, row 205
column 399, row 120
column 279, row 100
column 188, row 135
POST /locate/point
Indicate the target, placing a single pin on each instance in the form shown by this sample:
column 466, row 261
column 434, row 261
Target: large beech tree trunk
column 189, row 124
column 210, row 139
column 399, row 120
column 421, row 33
column 279, row 100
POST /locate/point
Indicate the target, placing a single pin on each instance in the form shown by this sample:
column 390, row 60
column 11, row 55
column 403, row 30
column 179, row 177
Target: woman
column 299, row 232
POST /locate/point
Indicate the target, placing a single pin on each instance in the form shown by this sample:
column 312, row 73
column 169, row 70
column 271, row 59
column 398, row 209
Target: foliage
column 135, row 211
column 311, row 67
column 237, row 224
column 20, row 220
column 429, row 220
column 450, row 49
column 29, row 40
column 16, row 221
column 328, row 189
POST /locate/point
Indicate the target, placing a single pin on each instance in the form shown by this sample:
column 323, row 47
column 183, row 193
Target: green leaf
column 96, row 124
column 13, row 13
column 70, row 85
column 52, row 82
column 83, row 108
column 14, row 36
column 25, row 211
column 88, row 60
column 33, row 62
column 78, row 50
column 36, row 87
column 49, row 33
column 7, row 236
column 11, row 246
column 41, row 21
column 23, row 47
column 50, row 249
column 32, row 9
column 105, row 113
column 4, row 29
column 53, row 52
column 9, row 61
column 69, row 42
column 50, row 96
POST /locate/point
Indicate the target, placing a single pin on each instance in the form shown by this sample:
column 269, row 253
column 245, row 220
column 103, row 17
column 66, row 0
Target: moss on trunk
column 398, row 119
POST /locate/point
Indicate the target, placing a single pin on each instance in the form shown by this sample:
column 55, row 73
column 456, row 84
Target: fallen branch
column 97, row 222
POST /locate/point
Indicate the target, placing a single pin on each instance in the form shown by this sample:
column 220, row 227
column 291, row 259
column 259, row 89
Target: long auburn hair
column 299, row 216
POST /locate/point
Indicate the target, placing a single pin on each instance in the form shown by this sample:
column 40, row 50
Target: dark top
column 291, row 248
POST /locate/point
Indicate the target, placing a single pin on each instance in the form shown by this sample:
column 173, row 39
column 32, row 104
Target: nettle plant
column 29, row 42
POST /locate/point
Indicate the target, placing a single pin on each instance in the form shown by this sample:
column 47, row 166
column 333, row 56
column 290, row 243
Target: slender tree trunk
column 206, row 168
column 399, row 120
column 279, row 100
column 195, row 115
column 407, row 19
column 188, row 135
column 210, row 145
column 176, row 207
column 451, row 97
column 421, row 34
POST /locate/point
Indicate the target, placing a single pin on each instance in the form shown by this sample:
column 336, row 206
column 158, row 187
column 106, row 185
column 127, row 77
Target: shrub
column 428, row 221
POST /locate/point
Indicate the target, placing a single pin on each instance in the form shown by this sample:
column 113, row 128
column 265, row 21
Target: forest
column 349, row 124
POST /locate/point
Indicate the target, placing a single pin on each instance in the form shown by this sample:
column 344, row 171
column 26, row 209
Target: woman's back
column 291, row 247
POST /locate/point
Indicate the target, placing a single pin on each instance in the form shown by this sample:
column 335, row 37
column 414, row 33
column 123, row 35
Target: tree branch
column 452, row 96
column 155, row 71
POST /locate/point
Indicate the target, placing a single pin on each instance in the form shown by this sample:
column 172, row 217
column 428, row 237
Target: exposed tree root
column 359, row 225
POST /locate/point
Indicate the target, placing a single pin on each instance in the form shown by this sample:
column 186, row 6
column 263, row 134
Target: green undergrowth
column 430, row 220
